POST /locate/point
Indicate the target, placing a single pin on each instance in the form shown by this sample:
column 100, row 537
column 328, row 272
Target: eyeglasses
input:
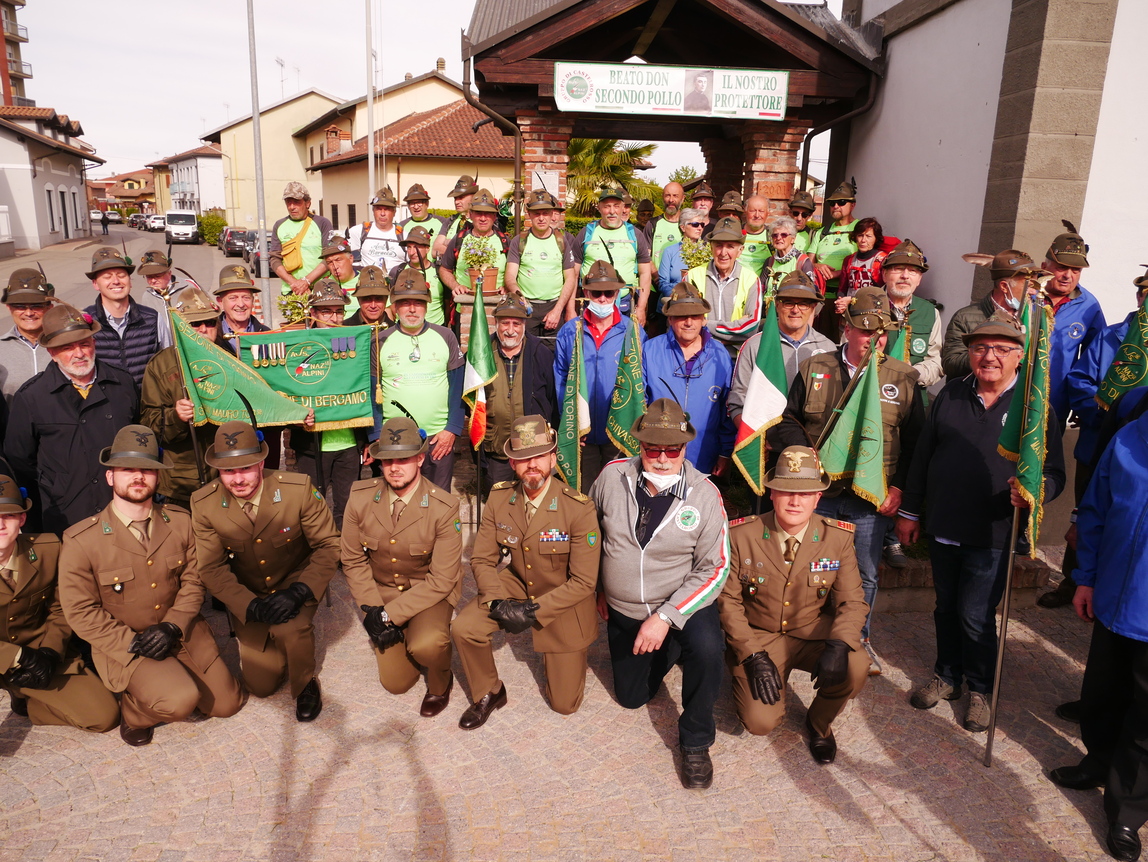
column 799, row 214
column 696, row 223
column 19, row 306
column 785, row 302
column 659, row 451
column 780, row 235
column 1000, row 351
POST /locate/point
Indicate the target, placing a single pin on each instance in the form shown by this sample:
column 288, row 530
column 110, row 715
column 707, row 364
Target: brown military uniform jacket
column 409, row 566
column 765, row 599
column 32, row 615
column 294, row 538
column 112, row 587
column 553, row 561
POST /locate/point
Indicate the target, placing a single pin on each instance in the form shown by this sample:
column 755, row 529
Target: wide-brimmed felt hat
column 465, row 186
column 336, row 245
column 410, row 284
column 194, row 306
column 384, row 197
column 513, row 305
column 28, row 286
column 1141, row 281
column 802, row 200
column 869, row 310
column 797, row 469
column 731, row 201
column 416, row 193
column 372, row 282
column 13, row 500
column 1069, row 249
column 645, row 205
column 400, row 437
column 327, row 292
column 234, row 276
column 664, row 424
column 1004, row 264
column 540, row 199
column 484, row 202
column 703, row 191
column 906, row 253
column 727, row 229
column 685, row 301
column 236, row 445
column 109, row 258
column 136, row 447
column 66, row 324
column 994, row 327
column 154, row 262
column 418, row 235
column 797, row 285
column 530, row 437
column 602, row 276
column 847, row 191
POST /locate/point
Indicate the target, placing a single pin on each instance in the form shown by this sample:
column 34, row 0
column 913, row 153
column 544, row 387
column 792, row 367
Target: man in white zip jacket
column 665, row 556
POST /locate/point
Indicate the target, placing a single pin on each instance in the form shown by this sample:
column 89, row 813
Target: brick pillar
column 545, row 136
column 724, row 164
column 771, row 151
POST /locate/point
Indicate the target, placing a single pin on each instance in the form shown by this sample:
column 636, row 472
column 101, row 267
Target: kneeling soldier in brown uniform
column 130, row 587
column 402, row 555
column 267, row 548
column 551, row 533
column 776, row 610
column 47, row 682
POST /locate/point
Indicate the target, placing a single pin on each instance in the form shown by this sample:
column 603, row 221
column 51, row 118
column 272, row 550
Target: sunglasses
column 839, row 203
column 659, row 451
column 598, row 294
column 799, row 214
column 696, row 223
column 780, row 235
column 19, row 306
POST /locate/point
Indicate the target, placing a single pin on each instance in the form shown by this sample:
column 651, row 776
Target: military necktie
column 791, row 549
column 8, row 576
column 397, row 509
column 139, row 530
column 249, row 511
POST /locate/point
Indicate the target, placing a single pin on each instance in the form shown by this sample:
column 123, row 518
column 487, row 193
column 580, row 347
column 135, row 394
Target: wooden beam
column 554, row 31
column 909, row 13
column 657, row 19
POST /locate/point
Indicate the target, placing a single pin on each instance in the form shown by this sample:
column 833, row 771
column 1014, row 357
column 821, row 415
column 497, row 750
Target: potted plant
column 695, row 253
column 480, row 258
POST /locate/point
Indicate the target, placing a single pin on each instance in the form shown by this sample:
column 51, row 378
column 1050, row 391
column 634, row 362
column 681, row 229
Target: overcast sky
column 146, row 79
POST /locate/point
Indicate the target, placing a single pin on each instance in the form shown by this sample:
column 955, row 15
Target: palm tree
column 595, row 162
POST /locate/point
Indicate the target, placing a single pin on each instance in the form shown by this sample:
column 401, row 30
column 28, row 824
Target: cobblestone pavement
column 372, row 780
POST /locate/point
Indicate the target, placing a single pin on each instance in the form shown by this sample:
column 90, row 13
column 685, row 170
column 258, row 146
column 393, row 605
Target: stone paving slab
column 372, row 780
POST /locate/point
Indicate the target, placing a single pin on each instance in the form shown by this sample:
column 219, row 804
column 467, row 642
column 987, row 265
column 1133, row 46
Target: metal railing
column 19, row 67
column 17, row 31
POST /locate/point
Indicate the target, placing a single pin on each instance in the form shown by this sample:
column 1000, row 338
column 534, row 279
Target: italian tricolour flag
column 765, row 401
column 479, row 372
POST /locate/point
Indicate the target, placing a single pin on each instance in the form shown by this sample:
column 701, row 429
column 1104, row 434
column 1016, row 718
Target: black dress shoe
column 1069, row 711
column 136, row 736
column 1076, row 778
column 20, row 706
column 1123, row 843
column 697, row 770
column 478, row 712
column 309, row 703
column 823, row 748
column 433, row 704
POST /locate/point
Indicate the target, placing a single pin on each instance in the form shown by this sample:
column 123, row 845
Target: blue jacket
column 1112, row 542
column 1076, row 323
column 601, row 370
column 1084, row 380
column 670, row 268
column 703, row 393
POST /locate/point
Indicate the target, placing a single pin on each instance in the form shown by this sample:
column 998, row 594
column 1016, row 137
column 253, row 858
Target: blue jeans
column 868, row 539
column 969, row 583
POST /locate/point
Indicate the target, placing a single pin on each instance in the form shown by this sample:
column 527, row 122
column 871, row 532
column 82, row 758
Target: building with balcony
column 192, row 180
column 14, row 72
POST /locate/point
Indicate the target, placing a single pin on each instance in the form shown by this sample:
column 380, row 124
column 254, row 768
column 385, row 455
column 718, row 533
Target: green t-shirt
column 413, row 371
column 621, row 249
column 666, row 233
column 833, row 247
column 349, row 289
column 338, row 440
column 756, row 250
column 540, row 266
column 311, row 249
column 470, row 241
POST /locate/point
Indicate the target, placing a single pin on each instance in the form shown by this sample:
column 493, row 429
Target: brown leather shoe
column 136, row 736
column 433, row 704
column 309, row 703
column 1059, row 597
column 20, row 706
column 823, row 748
column 697, row 770
column 478, row 712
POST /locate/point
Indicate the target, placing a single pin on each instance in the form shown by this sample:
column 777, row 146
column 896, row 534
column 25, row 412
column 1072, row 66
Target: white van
column 181, row 226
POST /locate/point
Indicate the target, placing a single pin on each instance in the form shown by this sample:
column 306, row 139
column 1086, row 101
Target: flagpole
column 853, row 381
column 195, row 448
column 770, row 296
column 1035, row 325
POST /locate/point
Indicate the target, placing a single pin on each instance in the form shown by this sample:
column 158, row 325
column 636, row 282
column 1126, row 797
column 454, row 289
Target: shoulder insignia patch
column 748, row 519
column 841, row 525
column 499, row 486
column 577, row 495
column 592, row 538
column 457, row 525
column 315, row 493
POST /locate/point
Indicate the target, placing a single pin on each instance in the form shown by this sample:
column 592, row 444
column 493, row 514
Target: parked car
column 135, row 218
column 94, row 216
column 181, row 226
column 250, row 242
column 155, row 222
column 257, row 267
column 232, row 241
column 114, row 217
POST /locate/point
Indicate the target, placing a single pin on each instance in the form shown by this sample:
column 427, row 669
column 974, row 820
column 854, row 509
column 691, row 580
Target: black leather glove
column 764, row 680
column 285, row 605
column 513, row 616
column 156, row 642
column 833, row 666
column 256, row 610
column 36, row 668
column 382, row 632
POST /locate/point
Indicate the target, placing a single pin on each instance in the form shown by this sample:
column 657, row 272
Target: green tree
column 597, row 161
column 683, row 175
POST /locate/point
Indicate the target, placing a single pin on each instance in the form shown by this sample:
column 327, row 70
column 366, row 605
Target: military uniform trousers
column 77, row 700
column 565, row 671
column 171, row 689
column 268, row 653
column 426, row 644
column 789, row 653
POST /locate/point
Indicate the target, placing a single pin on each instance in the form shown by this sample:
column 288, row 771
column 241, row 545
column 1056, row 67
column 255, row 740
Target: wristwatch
column 666, row 619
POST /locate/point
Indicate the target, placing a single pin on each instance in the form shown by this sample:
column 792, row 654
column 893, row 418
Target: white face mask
column 661, row 481
column 601, row 310
column 1012, row 302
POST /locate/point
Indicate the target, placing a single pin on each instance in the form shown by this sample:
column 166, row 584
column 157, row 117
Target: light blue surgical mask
column 601, row 310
